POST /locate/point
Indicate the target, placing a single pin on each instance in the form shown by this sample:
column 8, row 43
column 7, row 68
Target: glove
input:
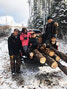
column 12, row 56
column 25, row 38
column 30, row 44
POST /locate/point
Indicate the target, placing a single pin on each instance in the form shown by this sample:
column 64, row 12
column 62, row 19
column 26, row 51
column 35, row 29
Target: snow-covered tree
column 59, row 13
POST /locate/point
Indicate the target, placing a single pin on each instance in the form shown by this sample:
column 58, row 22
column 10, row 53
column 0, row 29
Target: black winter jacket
column 34, row 43
column 50, row 32
column 14, row 45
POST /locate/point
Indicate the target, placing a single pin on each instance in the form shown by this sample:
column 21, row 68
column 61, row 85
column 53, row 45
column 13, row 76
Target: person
column 14, row 47
column 24, row 37
column 33, row 42
column 51, row 30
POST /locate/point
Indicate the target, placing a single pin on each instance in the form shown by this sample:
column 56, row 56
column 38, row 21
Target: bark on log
column 47, row 51
column 39, row 56
column 60, row 54
column 51, row 62
column 63, row 68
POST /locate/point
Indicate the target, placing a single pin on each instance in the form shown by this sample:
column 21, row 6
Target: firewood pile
column 50, row 55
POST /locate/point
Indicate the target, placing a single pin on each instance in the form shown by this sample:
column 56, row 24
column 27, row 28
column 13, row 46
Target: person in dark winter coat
column 33, row 42
column 14, row 47
column 51, row 30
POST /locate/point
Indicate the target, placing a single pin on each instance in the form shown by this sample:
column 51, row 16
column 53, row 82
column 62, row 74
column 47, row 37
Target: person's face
column 50, row 20
column 25, row 31
column 34, row 35
column 16, row 33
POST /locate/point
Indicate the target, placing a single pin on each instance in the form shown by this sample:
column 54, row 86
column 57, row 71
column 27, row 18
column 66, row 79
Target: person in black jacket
column 33, row 42
column 14, row 47
column 51, row 30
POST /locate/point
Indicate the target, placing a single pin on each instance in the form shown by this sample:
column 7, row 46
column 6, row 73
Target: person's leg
column 12, row 63
column 25, row 48
column 18, row 63
column 44, row 37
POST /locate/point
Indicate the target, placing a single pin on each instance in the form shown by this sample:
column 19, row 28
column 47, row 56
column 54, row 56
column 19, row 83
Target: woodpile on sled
column 50, row 55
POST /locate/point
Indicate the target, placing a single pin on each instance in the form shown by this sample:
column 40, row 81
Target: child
column 24, row 37
column 33, row 42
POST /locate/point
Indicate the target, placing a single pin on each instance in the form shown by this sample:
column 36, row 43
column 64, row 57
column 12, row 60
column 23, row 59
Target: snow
column 8, row 20
column 32, row 76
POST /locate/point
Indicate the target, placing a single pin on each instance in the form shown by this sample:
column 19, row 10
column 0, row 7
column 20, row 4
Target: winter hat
column 16, row 29
column 49, row 17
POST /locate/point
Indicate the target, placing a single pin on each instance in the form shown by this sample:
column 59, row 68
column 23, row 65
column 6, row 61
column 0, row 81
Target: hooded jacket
column 25, row 39
column 14, row 45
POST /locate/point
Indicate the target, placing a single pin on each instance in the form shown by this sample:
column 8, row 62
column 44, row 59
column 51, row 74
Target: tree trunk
column 60, row 54
column 51, row 62
column 47, row 51
column 63, row 68
column 39, row 56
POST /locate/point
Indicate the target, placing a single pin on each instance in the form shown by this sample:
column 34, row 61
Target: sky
column 18, row 9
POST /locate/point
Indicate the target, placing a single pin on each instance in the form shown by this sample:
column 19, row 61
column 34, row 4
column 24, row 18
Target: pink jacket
column 23, row 41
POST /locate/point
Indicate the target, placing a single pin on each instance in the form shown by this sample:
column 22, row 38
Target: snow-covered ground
column 32, row 76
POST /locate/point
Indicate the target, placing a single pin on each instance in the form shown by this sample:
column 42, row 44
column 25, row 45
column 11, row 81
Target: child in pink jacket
column 24, row 37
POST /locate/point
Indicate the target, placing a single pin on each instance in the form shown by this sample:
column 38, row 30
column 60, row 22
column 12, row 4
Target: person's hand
column 30, row 44
column 12, row 56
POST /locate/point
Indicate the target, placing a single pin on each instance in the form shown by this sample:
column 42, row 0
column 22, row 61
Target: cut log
column 47, row 51
column 60, row 54
column 39, row 56
column 57, row 58
column 51, row 62
column 63, row 68
column 31, row 55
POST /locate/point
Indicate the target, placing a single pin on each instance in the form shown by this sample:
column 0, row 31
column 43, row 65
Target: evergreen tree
column 59, row 13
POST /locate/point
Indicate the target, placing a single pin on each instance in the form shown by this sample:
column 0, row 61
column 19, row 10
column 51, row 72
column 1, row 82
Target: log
column 60, row 54
column 63, row 68
column 31, row 55
column 39, row 56
column 57, row 58
column 47, row 51
column 51, row 62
